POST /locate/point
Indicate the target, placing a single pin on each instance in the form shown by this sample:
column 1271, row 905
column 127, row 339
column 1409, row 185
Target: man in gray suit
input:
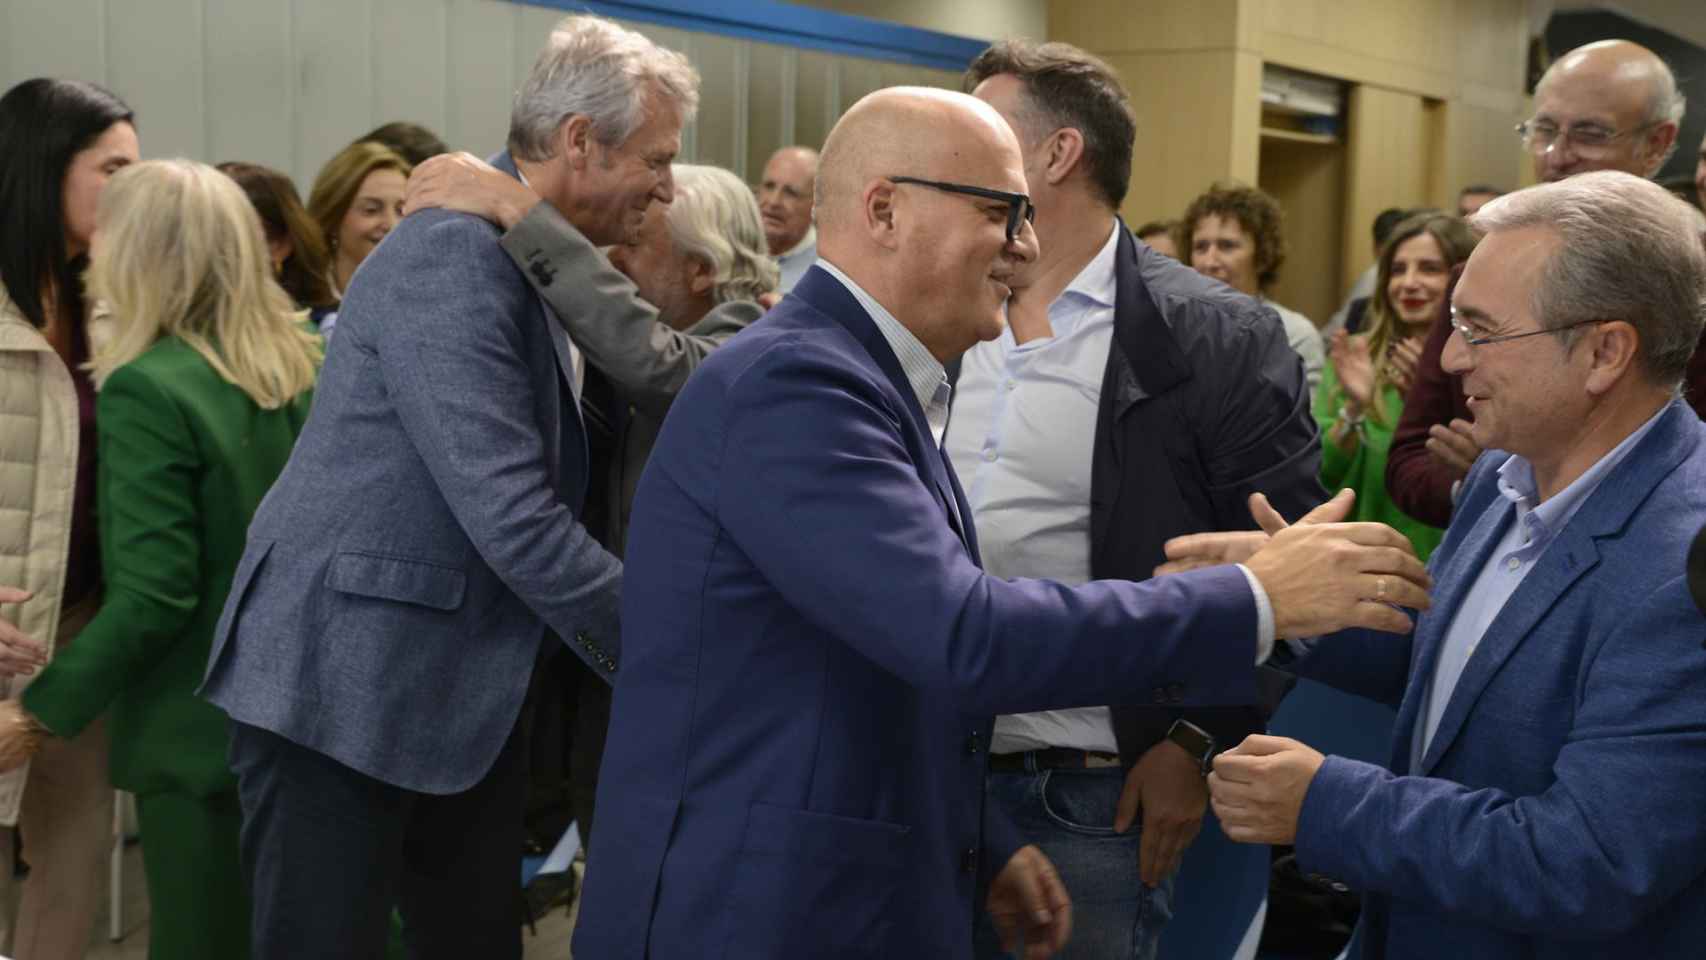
column 690, row 279
column 415, row 559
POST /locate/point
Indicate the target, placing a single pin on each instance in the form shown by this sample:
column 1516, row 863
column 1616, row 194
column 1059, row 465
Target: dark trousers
column 329, row 851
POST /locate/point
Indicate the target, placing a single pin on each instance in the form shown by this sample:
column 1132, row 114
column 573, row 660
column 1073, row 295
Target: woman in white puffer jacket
column 59, row 142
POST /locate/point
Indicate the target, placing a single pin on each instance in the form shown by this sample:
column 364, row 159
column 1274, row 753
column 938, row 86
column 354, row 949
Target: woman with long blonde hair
column 1362, row 390
column 205, row 381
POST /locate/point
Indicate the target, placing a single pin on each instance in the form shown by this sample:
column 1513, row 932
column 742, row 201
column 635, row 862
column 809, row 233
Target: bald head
column 912, row 131
column 938, row 256
column 1613, row 88
column 785, row 197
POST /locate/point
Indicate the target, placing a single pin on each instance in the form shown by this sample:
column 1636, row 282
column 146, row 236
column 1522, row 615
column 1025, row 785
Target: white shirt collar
column 924, row 373
column 1097, row 281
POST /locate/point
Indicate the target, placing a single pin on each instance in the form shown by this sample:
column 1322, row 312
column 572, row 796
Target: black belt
column 1053, row 758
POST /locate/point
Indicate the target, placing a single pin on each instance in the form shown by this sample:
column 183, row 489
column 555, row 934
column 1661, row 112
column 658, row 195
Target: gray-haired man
column 412, row 564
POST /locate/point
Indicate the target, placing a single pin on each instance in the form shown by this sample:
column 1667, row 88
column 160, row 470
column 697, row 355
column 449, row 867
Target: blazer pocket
column 419, row 582
column 817, row 885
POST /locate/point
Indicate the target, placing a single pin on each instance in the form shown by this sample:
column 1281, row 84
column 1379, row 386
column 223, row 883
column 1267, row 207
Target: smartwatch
column 1199, row 743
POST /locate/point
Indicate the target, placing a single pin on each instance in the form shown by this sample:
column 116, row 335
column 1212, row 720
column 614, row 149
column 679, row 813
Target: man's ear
column 1063, row 148
column 575, row 141
column 1616, row 346
column 700, row 277
column 1657, row 142
column 880, row 210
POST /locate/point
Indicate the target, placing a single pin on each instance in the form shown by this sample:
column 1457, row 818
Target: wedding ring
column 1380, row 589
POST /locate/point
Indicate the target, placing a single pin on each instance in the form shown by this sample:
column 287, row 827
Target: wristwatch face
column 1195, row 740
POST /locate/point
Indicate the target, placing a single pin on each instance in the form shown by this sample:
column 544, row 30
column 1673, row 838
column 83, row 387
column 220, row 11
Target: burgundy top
column 83, row 567
column 1421, row 485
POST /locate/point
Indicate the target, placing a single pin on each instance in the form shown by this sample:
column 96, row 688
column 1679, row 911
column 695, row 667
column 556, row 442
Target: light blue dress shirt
column 924, row 373
column 1525, row 540
column 797, row 261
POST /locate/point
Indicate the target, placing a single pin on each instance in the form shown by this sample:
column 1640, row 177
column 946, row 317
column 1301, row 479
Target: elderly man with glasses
column 1609, row 105
column 1545, row 783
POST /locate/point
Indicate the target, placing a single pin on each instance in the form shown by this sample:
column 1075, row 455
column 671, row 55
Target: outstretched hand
column 1195, row 550
column 1322, row 576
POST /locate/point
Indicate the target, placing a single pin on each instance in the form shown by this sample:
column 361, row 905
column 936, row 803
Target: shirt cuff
column 1264, row 617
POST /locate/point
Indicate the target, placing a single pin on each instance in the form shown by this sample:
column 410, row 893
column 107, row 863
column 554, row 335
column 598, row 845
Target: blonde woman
column 204, row 384
column 357, row 199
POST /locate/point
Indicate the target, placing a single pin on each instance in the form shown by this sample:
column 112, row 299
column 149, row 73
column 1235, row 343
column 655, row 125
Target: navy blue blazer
column 1560, row 810
column 401, row 575
column 812, row 661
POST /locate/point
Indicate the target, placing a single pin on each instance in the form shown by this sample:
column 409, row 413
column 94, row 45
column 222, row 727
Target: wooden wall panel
column 1308, row 180
column 1387, row 156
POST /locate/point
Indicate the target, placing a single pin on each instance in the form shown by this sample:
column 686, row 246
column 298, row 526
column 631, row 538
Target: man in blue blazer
column 421, row 552
column 811, row 657
column 1548, row 771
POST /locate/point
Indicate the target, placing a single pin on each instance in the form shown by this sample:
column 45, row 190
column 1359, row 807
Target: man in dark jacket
column 1147, row 404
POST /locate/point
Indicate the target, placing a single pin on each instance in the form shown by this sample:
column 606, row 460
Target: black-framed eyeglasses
column 1475, row 341
column 1019, row 207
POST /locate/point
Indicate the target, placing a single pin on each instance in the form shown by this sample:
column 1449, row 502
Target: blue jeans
column 1070, row 815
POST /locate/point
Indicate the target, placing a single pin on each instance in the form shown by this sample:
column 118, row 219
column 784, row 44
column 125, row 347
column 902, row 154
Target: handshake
column 1320, row 574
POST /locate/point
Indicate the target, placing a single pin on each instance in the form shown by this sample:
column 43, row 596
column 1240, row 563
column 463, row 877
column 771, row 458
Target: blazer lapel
column 1572, row 554
column 1454, row 578
column 835, row 301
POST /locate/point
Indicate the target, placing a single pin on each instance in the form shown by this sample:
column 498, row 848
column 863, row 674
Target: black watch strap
column 1196, row 741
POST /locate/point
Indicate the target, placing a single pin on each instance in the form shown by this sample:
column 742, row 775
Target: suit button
column 968, row 860
column 1176, row 692
column 1160, row 694
column 974, row 744
column 580, row 638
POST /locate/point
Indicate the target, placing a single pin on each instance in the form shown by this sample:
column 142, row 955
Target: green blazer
column 1364, row 469
column 184, row 460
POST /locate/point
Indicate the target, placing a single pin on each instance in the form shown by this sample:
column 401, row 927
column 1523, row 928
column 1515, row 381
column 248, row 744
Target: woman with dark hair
column 1368, row 373
column 1236, row 234
column 60, row 141
column 294, row 241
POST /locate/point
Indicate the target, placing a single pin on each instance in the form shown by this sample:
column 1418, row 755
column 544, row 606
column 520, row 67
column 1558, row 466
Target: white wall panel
column 154, row 61
column 480, row 75
column 532, row 26
column 250, row 85
column 288, row 83
column 58, row 38
column 410, row 50
column 334, row 79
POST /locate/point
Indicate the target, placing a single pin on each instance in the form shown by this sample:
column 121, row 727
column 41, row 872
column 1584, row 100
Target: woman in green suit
column 204, row 382
column 1367, row 375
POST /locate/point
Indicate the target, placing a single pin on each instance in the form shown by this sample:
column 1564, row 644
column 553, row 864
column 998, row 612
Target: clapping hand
column 1454, row 446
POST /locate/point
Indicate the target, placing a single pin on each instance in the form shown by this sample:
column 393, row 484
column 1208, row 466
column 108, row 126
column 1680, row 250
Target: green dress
column 1363, row 469
column 184, row 459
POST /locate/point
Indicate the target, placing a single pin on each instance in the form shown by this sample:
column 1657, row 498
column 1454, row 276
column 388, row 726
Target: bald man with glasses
column 1608, row 105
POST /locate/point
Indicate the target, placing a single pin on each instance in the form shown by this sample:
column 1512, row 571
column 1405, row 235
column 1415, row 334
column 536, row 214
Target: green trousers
column 198, row 904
